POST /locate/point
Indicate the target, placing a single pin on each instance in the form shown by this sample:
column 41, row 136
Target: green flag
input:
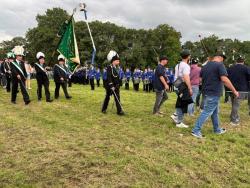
column 68, row 45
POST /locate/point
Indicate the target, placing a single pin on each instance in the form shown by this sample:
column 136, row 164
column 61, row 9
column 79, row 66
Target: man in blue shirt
column 136, row 79
column 91, row 75
column 213, row 75
column 127, row 76
column 104, row 77
column 160, row 85
column 98, row 77
column 239, row 75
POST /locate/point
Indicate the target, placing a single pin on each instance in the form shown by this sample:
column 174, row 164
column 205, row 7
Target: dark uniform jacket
column 60, row 72
column 40, row 74
column 15, row 71
column 113, row 79
column 6, row 67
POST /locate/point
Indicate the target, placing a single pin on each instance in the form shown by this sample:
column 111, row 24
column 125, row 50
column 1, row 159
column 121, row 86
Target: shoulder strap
column 19, row 68
column 61, row 68
column 40, row 67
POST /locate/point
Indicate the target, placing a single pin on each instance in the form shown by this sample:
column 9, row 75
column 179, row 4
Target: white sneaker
column 181, row 125
column 174, row 118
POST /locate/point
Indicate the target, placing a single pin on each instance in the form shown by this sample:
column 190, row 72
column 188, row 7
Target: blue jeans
column 180, row 115
column 211, row 108
column 191, row 106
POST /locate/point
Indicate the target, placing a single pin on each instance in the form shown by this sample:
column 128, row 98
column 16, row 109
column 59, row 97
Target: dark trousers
column 40, row 84
column 14, row 90
column 70, row 83
column 92, row 83
column 147, row 87
column 171, row 87
column 104, row 83
column 136, row 87
column 109, row 92
column 64, row 86
column 127, row 85
column 98, row 83
column 8, row 78
column 150, row 86
column 161, row 97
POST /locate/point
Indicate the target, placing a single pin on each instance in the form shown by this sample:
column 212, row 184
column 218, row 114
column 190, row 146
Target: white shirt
column 181, row 69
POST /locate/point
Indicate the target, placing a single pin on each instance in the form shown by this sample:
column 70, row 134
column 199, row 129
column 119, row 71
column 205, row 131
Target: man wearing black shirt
column 213, row 75
column 42, row 77
column 239, row 75
column 160, row 85
column 113, row 83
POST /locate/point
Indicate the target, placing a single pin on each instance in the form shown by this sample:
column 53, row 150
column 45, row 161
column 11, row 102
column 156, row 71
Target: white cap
column 111, row 54
column 61, row 57
column 39, row 55
column 18, row 50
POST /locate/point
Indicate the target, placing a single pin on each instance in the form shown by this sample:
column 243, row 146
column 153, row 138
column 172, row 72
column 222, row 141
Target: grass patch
column 72, row 144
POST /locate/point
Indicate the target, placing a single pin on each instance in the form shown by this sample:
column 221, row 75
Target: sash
column 40, row 67
column 19, row 68
column 62, row 68
column 37, row 64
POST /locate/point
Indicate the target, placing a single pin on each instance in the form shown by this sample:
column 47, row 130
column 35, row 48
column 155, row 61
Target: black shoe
column 13, row 102
column 68, row 97
column 104, row 111
column 56, row 97
column 27, row 102
column 39, row 100
column 121, row 113
column 49, row 100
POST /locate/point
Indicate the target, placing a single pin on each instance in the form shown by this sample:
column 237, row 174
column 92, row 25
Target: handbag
column 179, row 80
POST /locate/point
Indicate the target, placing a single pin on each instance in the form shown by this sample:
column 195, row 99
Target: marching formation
column 193, row 84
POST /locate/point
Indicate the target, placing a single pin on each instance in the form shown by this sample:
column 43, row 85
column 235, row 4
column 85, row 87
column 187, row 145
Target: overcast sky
column 225, row 18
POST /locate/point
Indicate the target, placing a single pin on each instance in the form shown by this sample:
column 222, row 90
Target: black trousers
column 104, row 83
column 92, row 84
column 109, row 92
column 8, row 78
column 127, row 85
column 70, row 83
column 64, row 86
column 40, row 84
column 15, row 83
column 98, row 83
column 136, row 87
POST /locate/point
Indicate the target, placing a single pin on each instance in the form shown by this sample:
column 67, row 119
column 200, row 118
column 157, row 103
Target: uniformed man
column 150, row 78
column 9, row 60
column 98, row 77
column 61, row 77
column 91, row 75
column 127, row 76
column 19, row 76
column 104, row 77
column 121, row 76
column 42, row 77
column 136, row 79
column 113, row 83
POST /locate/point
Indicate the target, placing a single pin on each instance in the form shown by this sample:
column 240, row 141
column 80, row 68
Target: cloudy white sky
column 225, row 18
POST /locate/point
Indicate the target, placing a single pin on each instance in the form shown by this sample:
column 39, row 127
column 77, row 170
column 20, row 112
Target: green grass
column 72, row 144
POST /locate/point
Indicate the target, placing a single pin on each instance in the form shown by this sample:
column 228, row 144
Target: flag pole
column 83, row 8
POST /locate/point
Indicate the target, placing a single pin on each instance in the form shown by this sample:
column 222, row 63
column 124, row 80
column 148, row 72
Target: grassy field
column 72, row 144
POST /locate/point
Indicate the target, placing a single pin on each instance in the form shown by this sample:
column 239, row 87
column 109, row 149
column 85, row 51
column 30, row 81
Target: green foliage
column 44, row 37
column 7, row 46
column 134, row 46
column 232, row 48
